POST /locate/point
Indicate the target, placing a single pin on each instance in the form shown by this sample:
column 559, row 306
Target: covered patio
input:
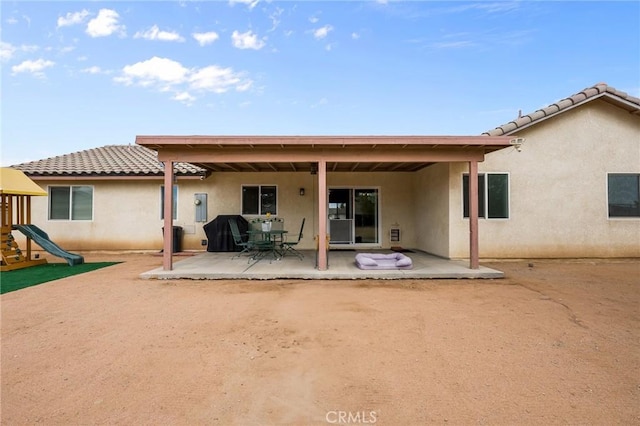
column 341, row 265
column 321, row 156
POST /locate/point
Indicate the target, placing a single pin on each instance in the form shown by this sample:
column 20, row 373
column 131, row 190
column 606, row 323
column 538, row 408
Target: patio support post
column 473, row 215
column 322, row 215
column 167, row 253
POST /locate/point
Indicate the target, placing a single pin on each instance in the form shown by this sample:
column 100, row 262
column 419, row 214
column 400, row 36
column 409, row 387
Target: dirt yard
column 553, row 343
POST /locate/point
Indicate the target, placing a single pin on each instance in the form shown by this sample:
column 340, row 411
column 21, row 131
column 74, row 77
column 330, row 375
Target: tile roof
column 599, row 91
column 110, row 160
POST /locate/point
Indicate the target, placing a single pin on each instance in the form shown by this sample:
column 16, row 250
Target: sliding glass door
column 353, row 216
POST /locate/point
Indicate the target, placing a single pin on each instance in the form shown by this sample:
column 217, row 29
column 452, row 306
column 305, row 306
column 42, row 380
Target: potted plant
column 266, row 224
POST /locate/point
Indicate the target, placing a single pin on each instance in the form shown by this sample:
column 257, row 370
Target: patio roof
column 321, row 155
column 301, row 153
column 15, row 182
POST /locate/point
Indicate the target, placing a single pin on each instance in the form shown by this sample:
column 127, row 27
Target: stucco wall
column 126, row 216
column 127, row 213
column 396, row 200
column 558, row 189
column 431, row 215
column 225, row 194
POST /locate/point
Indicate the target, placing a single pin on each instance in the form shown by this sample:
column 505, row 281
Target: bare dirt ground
column 556, row 343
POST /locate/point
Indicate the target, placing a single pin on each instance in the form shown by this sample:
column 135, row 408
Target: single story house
column 563, row 181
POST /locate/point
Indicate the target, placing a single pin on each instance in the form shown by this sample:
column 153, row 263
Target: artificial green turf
column 34, row 275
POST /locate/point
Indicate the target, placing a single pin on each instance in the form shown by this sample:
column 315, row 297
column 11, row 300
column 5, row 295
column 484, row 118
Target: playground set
column 16, row 190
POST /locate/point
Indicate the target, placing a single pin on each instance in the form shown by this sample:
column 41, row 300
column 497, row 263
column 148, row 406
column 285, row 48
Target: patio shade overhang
column 15, row 182
column 301, row 153
column 321, row 154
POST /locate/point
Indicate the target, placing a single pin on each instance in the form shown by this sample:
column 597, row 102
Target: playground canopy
column 14, row 182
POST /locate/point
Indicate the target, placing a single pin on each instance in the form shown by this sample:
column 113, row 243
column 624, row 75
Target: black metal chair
column 246, row 245
column 262, row 246
column 289, row 246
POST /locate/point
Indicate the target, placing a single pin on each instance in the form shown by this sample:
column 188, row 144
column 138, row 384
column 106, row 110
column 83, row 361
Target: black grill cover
column 218, row 232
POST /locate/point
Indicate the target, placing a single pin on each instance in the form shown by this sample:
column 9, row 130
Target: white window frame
column 70, row 218
column 606, row 191
column 379, row 210
column 485, row 213
column 259, row 186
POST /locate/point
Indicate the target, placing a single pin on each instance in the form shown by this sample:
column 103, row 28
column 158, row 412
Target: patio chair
column 260, row 246
column 289, row 246
column 246, row 245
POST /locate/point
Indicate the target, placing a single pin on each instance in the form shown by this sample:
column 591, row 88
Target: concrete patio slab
column 222, row 266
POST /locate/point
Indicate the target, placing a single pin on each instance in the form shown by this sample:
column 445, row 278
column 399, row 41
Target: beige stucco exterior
column 558, row 189
column 126, row 214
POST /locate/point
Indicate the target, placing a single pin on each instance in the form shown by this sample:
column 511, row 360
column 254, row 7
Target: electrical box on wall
column 200, row 201
column 394, row 235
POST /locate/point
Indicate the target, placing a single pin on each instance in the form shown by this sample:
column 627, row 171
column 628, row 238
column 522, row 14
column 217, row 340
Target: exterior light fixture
column 517, row 143
column 302, row 192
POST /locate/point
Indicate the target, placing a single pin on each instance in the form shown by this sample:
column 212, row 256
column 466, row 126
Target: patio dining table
column 271, row 240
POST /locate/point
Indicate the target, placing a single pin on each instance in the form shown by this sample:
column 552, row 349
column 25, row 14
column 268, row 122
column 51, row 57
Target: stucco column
column 473, row 215
column 167, row 253
column 322, row 215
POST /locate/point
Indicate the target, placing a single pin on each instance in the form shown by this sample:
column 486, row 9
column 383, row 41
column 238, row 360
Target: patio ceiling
column 301, row 153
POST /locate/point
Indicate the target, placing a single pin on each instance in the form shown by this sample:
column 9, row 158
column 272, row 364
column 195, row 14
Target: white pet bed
column 383, row 261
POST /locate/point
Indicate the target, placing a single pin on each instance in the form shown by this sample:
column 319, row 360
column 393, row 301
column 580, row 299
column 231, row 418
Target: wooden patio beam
column 380, row 155
column 165, row 141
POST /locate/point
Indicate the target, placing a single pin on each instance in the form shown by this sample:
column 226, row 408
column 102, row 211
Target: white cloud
column 313, row 19
column 246, row 40
column 275, row 19
column 249, row 3
column 166, row 75
column 11, row 21
column 153, row 72
column 34, row 67
column 206, row 38
column 322, row 32
column 92, row 70
column 217, row 80
column 355, row 36
column 184, row 97
column 73, row 18
column 105, row 24
column 154, row 33
column 6, row 50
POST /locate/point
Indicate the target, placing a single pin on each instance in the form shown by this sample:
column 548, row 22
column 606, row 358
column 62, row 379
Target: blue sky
column 79, row 75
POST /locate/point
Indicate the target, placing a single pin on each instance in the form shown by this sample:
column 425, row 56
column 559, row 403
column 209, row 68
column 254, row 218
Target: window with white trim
column 175, row 202
column 623, row 194
column 71, row 202
column 493, row 195
column 259, row 199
